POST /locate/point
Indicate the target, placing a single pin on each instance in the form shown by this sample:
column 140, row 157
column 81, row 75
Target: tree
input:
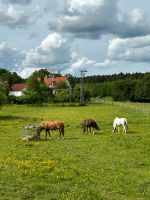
column 41, row 73
column 37, row 91
column 142, row 90
column 33, row 85
column 63, row 95
column 3, row 93
column 123, row 90
column 15, row 78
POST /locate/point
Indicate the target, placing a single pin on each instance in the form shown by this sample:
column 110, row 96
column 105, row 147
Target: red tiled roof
column 18, row 86
column 47, row 81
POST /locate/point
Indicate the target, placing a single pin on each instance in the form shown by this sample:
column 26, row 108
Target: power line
column 82, row 100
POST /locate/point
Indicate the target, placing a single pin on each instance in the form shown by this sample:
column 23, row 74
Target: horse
column 120, row 121
column 89, row 124
column 51, row 125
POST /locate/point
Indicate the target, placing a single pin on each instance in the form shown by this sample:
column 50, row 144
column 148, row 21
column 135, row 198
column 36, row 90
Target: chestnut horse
column 51, row 125
column 88, row 124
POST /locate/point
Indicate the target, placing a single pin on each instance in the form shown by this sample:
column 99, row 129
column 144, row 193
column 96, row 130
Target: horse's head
column 82, row 125
column 38, row 131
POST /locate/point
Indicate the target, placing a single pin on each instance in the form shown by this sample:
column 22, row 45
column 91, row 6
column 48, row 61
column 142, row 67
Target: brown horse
column 51, row 125
column 89, row 124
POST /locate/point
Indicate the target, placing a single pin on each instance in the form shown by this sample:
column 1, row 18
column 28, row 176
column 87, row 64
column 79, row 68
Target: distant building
column 53, row 83
column 17, row 89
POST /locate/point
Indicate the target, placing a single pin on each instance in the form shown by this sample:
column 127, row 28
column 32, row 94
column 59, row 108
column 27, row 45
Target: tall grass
column 102, row 166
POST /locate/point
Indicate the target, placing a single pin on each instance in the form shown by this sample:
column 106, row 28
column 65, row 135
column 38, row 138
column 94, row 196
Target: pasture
column 103, row 166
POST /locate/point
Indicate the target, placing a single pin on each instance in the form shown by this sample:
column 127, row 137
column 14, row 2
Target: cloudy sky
column 100, row 36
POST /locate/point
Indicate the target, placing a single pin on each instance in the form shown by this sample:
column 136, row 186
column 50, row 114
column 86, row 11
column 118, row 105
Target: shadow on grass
column 131, row 132
column 10, row 117
column 57, row 139
column 54, row 139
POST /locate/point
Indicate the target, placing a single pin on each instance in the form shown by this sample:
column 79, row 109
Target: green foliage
column 45, row 73
column 122, row 87
column 76, row 93
column 33, row 85
column 123, row 90
column 99, row 89
column 142, row 90
column 62, row 95
column 3, row 93
column 3, row 97
column 41, row 73
column 11, row 78
column 37, row 91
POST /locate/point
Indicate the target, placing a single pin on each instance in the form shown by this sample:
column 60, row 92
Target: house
column 55, row 82
column 17, row 89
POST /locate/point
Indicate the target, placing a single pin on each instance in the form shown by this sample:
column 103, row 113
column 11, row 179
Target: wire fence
column 143, row 107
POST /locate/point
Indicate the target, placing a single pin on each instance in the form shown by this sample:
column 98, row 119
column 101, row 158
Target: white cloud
column 79, row 62
column 25, row 72
column 54, row 53
column 16, row 17
column 23, row 2
column 130, row 49
column 133, row 24
column 10, row 57
column 121, row 52
column 93, row 18
column 53, row 50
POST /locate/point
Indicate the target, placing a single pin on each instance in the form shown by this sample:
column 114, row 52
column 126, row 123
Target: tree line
column 121, row 87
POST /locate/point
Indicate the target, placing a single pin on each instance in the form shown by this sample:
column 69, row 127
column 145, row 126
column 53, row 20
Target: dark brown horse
column 89, row 124
column 51, row 125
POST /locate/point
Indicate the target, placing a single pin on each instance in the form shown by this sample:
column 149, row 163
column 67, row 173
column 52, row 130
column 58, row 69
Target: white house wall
column 16, row 93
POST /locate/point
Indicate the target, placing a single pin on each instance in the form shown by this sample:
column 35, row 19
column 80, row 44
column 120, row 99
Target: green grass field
column 103, row 166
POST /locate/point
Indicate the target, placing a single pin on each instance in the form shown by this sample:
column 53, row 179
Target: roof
column 18, row 86
column 48, row 81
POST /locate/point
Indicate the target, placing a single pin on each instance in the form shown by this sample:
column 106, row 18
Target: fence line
column 145, row 110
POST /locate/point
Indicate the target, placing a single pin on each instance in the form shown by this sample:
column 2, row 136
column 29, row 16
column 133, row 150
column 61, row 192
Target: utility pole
column 82, row 102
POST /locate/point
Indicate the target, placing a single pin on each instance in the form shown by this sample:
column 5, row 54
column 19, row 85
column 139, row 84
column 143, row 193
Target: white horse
column 120, row 121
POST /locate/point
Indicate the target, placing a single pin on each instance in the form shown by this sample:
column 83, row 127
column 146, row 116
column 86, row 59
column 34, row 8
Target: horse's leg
column 124, row 129
column 114, row 127
column 49, row 135
column 62, row 133
column 59, row 134
column 93, row 130
column 46, row 134
column 90, row 129
column 118, row 129
column 87, row 130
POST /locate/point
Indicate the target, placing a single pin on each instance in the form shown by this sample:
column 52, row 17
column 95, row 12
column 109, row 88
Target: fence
column 143, row 107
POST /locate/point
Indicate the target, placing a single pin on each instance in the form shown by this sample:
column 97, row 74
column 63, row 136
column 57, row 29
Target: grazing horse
column 88, row 124
column 51, row 125
column 118, row 122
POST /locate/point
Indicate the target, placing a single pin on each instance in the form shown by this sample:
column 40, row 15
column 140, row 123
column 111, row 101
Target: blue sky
column 101, row 36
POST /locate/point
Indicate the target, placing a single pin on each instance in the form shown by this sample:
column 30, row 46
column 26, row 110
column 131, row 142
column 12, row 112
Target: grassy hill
column 102, row 166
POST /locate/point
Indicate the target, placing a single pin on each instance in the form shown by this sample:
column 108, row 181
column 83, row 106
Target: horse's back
column 90, row 123
column 124, row 121
column 55, row 124
column 120, row 121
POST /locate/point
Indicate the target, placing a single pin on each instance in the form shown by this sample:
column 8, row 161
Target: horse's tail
column 62, row 129
column 126, row 125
